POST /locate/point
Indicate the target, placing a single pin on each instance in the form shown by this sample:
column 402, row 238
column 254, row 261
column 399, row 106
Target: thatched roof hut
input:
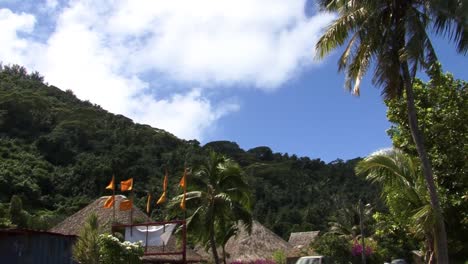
column 73, row 224
column 260, row 244
column 303, row 239
column 300, row 243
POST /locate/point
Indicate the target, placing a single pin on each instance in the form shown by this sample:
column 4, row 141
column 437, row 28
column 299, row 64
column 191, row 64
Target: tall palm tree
column 219, row 198
column 346, row 223
column 404, row 190
column 393, row 34
column 225, row 229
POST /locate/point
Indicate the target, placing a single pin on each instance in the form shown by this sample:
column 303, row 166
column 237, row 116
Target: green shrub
column 335, row 247
column 113, row 251
column 18, row 216
column 93, row 248
column 86, row 249
column 279, row 257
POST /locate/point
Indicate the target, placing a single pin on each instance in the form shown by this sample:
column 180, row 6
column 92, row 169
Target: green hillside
column 57, row 153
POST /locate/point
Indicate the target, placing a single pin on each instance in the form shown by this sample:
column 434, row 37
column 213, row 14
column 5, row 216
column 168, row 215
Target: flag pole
column 113, row 198
column 131, row 209
column 148, row 204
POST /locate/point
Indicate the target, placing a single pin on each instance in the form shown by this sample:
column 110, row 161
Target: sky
column 208, row 70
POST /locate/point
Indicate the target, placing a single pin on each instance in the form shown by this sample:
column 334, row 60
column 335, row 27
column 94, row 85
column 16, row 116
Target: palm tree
column 220, row 197
column 393, row 35
column 403, row 189
column 225, row 229
column 345, row 224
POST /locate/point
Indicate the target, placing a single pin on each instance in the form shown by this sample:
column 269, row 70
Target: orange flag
column 165, row 182
column 183, row 181
column 125, row 205
column 182, row 203
column 111, row 185
column 183, row 184
column 163, row 197
column 126, row 185
column 109, row 202
column 148, row 203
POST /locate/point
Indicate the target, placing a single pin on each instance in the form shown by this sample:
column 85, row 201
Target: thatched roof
column 172, row 246
column 191, row 257
column 260, row 244
column 302, row 239
column 300, row 243
column 73, row 224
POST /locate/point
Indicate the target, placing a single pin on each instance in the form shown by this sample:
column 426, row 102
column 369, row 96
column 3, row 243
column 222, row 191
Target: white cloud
column 182, row 108
column 102, row 49
column 220, row 42
column 51, row 4
column 14, row 48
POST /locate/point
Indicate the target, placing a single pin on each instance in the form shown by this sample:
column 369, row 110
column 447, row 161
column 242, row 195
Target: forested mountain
column 57, row 153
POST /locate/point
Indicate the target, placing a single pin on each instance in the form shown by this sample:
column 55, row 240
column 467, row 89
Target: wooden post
column 184, row 242
column 146, row 244
column 131, row 212
column 113, row 205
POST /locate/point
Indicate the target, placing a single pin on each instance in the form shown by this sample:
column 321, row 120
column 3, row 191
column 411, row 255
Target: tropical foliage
column 95, row 248
column 405, row 192
column 294, row 194
column 58, row 153
column 219, row 201
column 113, row 251
column 442, row 105
column 87, row 249
column 338, row 248
column 393, row 36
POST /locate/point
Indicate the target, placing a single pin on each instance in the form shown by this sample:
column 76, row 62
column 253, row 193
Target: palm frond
column 337, row 33
column 451, row 20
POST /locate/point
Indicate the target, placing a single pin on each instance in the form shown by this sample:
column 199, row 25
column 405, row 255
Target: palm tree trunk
column 440, row 234
column 224, row 254
column 213, row 243
column 430, row 249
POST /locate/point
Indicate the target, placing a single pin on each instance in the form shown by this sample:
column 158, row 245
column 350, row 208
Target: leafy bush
column 18, row 216
column 113, row 251
column 92, row 248
column 334, row 246
column 86, row 249
column 279, row 257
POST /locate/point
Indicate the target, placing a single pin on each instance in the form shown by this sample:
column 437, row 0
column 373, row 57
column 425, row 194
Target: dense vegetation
column 58, row 153
column 442, row 106
column 408, row 221
column 392, row 39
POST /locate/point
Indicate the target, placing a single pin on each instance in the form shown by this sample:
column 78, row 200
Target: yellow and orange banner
column 182, row 203
column 125, row 205
column 111, row 185
column 126, row 185
column 163, row 197
column 148, row 204
column 165, row 182
column 109, row 202
column 183, row 184
column 183, row 181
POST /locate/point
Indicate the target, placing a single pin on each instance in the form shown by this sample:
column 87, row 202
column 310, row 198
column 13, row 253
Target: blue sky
column 211, row 70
